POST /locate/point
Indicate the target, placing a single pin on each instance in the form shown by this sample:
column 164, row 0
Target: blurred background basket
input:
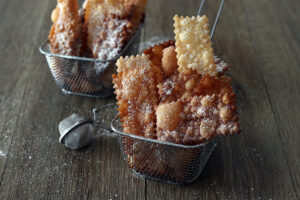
column 163, row 161
column 86, row 76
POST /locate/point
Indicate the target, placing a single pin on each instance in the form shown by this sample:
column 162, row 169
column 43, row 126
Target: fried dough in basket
column 195, row 99
column 198, row 118
column 65, row 35
column 177, row 85
column 135, row 87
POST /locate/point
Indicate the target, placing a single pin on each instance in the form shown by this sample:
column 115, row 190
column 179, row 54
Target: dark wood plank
column 260, row 39
column 13, row 74
column 37, row 166
column 277, row 49
column 246, row 166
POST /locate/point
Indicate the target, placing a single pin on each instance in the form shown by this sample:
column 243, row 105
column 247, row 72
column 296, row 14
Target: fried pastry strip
column 193, row 45
column 135, row 87
column 65, row 34
column 110, row 24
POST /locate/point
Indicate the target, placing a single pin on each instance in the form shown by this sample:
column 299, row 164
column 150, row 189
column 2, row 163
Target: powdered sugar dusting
column 169, row 87
column 111, row 46
column 2, row 154
column 221, row 65
column 151, row 42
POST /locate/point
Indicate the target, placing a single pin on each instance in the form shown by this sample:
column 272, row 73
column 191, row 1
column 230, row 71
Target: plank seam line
column 284, row 35
column 14, row 132
column 269, row 100
column 145, row 189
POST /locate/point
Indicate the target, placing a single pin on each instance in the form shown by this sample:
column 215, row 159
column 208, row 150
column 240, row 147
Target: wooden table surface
column 261, row 38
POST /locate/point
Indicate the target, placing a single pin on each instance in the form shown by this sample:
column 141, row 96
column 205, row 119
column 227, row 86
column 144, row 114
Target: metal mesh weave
column 162, row 161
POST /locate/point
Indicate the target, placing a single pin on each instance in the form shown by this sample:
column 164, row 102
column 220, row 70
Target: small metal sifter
column 76, row 132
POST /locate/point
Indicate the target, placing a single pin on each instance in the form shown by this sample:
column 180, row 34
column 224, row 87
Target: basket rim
column 154, row 140
column 44, row 51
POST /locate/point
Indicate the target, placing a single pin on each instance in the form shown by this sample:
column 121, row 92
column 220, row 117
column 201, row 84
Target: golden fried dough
column 205, row 115
column 65, row 36
column 110, row 24
column 169, row 61
column 168, row 115
column 135, row 87
column 193, row 45
column 192, row 98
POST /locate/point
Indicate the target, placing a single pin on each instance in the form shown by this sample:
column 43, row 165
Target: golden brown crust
column 65, row 34
column 209, row 113
column 100, row 30
column 192, row 108
column 110, row 24
column 193, row 45
column 168, row 115
column 177, row 85
column 181, row 96
column 135, row 87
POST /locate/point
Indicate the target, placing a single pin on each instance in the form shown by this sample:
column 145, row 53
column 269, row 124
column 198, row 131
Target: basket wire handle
column 97, row 121
column 217, row 17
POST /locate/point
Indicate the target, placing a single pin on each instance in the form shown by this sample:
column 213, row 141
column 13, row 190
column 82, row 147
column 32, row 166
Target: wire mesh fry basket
column 162, row 161
column 86, row 76
column 159, row 160
column 155, row 159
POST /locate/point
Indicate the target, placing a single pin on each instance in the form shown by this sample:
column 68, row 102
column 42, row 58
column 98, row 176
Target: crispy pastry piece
column 137, row 16
column 155, row 55
column 161, row 53
column 110, row 24
column 106, row 32
column 135, row 87
column 193, row 45
column 197, row 119
column 65, row 33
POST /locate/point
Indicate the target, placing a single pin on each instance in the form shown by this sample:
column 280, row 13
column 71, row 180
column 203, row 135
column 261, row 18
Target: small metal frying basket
column 155, row 159
column 86, row 76
column 163, row 161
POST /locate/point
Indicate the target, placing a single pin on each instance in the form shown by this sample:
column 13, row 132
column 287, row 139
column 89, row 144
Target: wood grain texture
column 248, row 165
column 261, row 40
column 281, row 72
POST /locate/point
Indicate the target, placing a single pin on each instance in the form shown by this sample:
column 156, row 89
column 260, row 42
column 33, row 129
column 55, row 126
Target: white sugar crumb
column 201, row 111
column 220, row 64
column 168, row 90
column 147, row 108
column 2, row 154
column 151, row 42
column 111, row 46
